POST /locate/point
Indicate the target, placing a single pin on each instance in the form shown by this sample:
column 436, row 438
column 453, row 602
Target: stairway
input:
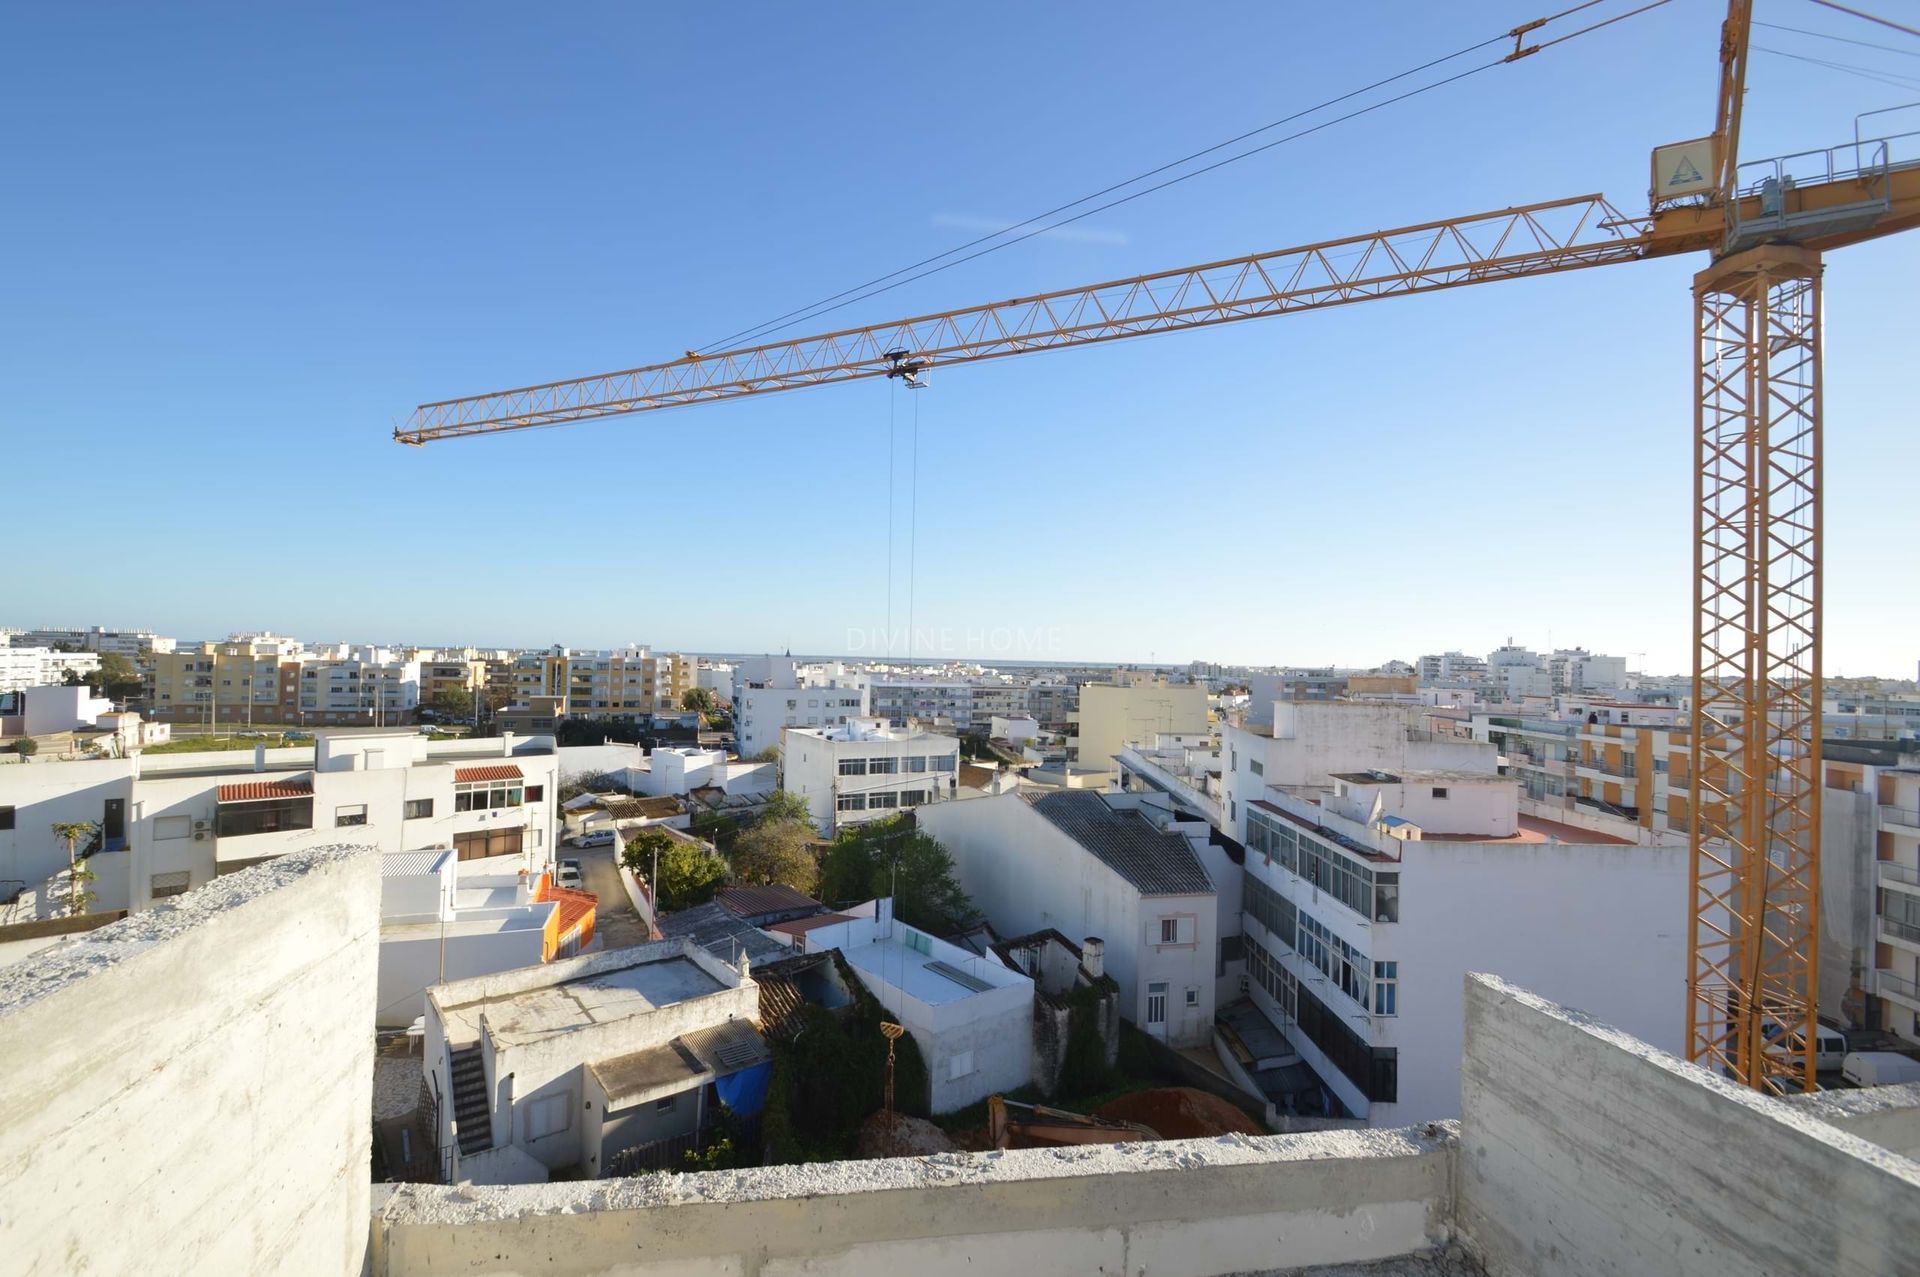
column 471, row 1112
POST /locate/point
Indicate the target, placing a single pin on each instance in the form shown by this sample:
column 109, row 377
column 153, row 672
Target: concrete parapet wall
column 1188, row 1207
column 192, row 1087
column 1584, row 1150
column 1885, row 1115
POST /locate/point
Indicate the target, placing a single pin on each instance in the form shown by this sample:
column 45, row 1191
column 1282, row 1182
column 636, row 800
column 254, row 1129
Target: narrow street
column 615, row 922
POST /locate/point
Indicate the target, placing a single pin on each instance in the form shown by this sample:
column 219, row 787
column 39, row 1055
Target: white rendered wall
column 1026, row 875
column 201, row 1082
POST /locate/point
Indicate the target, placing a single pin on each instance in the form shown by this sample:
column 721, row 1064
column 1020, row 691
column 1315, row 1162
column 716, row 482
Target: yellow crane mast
column 1753, row 796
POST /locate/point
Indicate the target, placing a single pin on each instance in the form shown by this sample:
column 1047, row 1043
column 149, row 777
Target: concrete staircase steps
column 470, row 1108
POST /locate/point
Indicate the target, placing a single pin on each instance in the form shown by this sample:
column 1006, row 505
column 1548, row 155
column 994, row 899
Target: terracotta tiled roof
column 503, row 772
column 780, row 1004
column 254, row 791
column 575, row 906
column 655, row 808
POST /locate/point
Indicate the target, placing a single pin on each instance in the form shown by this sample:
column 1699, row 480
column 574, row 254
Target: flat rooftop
column 1535, row 829
column 1427, row 777
column 918, row 974
column 602, row 998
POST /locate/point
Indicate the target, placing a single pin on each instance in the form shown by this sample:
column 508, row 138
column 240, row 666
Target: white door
column 1157, row 1009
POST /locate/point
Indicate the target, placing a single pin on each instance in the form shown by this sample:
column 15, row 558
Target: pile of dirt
column 909, row 1137
column 1181, row 1113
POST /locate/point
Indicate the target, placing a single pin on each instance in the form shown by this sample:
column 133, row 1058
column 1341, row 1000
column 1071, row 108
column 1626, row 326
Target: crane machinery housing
column 1754, row 775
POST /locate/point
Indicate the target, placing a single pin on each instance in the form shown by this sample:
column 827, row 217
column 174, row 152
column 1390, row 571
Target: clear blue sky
column 243, row 241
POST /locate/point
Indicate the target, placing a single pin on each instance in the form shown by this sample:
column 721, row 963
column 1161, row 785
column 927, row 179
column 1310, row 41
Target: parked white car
column 596, row 838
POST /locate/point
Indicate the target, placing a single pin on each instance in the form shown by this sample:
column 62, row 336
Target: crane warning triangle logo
column 1685, row 173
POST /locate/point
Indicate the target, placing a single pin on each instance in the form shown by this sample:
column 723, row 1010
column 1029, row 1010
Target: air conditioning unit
column 199, row 826
column 200, row 835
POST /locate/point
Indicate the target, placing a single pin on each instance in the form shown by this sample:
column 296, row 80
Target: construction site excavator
column 1754, row 779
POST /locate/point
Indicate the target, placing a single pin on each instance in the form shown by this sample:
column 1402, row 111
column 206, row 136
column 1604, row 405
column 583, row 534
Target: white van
column 1829, row 1045
column 1880, row 1068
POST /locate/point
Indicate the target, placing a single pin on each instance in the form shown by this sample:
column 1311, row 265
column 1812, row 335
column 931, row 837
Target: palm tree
column 74, row 831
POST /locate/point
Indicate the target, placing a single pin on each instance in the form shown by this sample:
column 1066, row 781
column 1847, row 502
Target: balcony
column 1894, row 931
column 1899, row 876
column 1898, row 988
column 1905, row 818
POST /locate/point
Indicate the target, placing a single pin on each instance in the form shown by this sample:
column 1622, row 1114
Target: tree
column 782, row 806
column 689, row 874
column 454, row 703
column 70, row 677
column 73, row 831
column 117, row 678
column 26, row 747
column 890, row 858
column 699, row 700
column 776, row 852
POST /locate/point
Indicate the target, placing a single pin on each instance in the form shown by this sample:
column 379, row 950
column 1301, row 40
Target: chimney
column 1093, row 956
column 506, row 744
column 259, row 758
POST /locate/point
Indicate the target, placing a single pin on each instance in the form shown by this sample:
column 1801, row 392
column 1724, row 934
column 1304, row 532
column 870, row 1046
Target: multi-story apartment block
column 247, row 678
column 629, row 682
column 1053, row 705
column 1887, row 882
column 1383, row 864
column 464, row 672
column 1450, row 667
column 773, row 693
column 865, row 770
column 994, row 700
column 898, row 698
column 360, row 685
column 132, row 644
column 1622, row 759
column 1135, row 706
column 24, row 667
column 171, row 822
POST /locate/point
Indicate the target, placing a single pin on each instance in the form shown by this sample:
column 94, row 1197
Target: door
column 113, row 825
column 1157, row 1009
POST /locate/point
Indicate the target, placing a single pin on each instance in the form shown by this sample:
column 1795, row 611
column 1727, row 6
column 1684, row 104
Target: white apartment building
column 132, row 644
column 970, row 1015
column 354, row 683
column 864, row 770
column 1451, row 667
column 1383, row 864
column 168, row 823
column 1574, row 671
column 773, row 693
column 897, row 698
column 1097, row 865
column 24, row 667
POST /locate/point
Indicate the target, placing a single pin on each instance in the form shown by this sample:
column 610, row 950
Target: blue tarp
column 745, row 1092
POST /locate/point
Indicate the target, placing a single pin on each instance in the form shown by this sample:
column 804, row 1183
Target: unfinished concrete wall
column 1885, row 1115
column 192, row 1086
column 1189, row 1208
column 1584, row 1150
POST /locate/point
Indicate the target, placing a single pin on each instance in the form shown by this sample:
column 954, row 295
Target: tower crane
column 1754, row 771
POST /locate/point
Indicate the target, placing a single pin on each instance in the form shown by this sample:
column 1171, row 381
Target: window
column 1386, row 897
column 165, row 828
column 237, row 820
column 1157, row 1002
column 879, row 801
column 536, row 793
column 1439, row 791
column 853, row 767
column 1386, row 988
column 912, row 797
column 1259, row 768
column 959, row 1064
column 482, row 795
column 1169, row 931
column 666, row 1105
column 852, row 802
column 917, row 763
column 482, row 843
column 548, row 1115
column 160, row 886
column 882, row 766
column 1193, row 996
column 356, row 814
